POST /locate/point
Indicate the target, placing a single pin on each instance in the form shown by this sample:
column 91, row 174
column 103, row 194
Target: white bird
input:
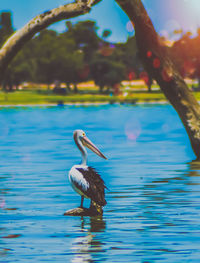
column 84, row 179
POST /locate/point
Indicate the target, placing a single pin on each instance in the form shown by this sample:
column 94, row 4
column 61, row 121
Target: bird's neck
column 82, row 150
column 84, row 156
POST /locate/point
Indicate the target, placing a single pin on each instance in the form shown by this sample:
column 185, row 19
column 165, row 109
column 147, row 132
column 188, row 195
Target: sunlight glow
column 183, row 18
column 194, row 5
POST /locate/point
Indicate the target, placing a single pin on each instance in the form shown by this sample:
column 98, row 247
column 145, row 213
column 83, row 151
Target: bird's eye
column 83, row 134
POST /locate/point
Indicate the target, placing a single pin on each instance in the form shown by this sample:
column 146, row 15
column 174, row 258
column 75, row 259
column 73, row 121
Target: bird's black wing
column 96, row 189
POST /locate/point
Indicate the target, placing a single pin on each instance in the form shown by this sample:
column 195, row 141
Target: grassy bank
column 31, row 97
column 34, row 98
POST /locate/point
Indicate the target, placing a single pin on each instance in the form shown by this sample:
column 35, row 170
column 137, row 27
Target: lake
column 153, row 202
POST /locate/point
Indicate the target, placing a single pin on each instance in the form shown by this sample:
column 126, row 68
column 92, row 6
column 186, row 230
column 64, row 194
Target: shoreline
column 83, row 104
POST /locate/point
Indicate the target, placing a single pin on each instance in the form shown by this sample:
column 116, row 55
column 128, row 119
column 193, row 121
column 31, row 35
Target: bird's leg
column 96, row 207
column 92, row 204
column 82, row 199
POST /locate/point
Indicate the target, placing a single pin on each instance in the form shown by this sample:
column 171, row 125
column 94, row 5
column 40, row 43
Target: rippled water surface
column 153, row 210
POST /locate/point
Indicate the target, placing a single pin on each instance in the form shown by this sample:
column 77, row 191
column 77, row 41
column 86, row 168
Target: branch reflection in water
column 169, row 209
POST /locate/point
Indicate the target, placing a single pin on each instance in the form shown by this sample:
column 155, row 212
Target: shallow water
column 153, row 210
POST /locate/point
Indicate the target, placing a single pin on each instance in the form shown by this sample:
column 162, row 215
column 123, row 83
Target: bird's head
column 79, row 135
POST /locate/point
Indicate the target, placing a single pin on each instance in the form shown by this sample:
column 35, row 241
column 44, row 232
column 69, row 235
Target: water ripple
column 153, row 207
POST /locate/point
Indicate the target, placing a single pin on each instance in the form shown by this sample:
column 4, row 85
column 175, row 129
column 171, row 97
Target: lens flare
column 133, row 129
column 2, row 203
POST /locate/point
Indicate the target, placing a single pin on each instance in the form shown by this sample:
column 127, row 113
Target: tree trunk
column 68, row 87
column 149, row 84
column 75, row 88
column 101, row 87
column 198, row 83
column 160, row 67
column 20, row 37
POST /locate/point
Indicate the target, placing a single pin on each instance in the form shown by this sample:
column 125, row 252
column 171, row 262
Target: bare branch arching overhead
column 21, row 36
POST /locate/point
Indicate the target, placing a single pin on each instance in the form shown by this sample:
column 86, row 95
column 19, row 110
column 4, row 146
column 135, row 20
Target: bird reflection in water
column 86, row 247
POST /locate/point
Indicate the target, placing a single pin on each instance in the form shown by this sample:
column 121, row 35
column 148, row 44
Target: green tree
column 23, row 67
column 44, row 51
column 57, row 58
column 68, row 61
column 106, row 72
column 6, row 27
column 127, row 54
column 85, row 36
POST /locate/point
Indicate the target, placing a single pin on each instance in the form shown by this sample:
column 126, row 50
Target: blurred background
column 97, row 52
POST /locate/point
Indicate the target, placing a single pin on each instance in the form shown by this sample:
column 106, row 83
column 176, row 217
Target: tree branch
column 20, row 37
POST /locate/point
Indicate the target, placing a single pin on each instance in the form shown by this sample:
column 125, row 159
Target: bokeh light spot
column 144, row 76
column 172, row 26
column 131, row 75
column 129, row 27
column 156, row 63
column 149, row 53
column 2, row 203
column 133, row 129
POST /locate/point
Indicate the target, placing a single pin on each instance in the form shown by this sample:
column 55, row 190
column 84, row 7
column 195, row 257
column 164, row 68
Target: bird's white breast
column 76, row 177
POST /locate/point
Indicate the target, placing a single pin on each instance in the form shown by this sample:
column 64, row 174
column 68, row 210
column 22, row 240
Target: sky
column 167, row 15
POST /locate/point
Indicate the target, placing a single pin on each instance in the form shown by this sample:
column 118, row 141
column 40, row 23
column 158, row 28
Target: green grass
column 34, row 98
column 30, row 97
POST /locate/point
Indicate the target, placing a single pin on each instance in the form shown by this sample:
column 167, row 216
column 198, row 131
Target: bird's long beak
column 91, row 146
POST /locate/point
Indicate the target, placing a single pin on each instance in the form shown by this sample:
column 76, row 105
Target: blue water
column 153, row 210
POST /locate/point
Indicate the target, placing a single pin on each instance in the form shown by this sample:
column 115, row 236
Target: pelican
column 84, row 179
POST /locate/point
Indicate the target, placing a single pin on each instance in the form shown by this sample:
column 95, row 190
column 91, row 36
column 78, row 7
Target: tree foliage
column 106, row 72
column 76, row 55
column 79, row 54
column 185, row 53
column 6, row 28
